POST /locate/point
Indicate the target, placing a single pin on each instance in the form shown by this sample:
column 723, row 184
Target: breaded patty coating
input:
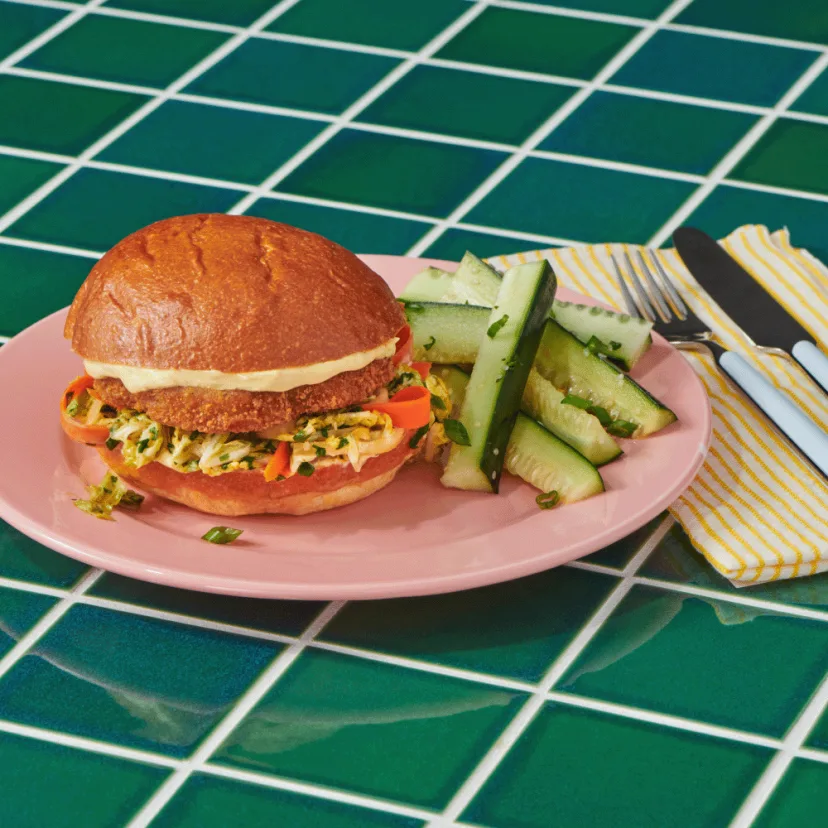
column 205, row 409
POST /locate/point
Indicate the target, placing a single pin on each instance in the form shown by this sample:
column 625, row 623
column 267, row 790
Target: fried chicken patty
column 205, row 409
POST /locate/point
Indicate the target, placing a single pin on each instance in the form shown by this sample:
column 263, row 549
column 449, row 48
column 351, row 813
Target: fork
column 681, row 327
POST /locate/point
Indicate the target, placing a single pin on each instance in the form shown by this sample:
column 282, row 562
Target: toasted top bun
column 229, row 293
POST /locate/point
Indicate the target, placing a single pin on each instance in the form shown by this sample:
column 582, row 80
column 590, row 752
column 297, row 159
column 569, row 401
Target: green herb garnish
column 621, row 428
column 496, row 326
column 430, row 344
column 614, row 345
column 324, row 431
column 300, row 436
column 131, row 500
column 343, row 441
column 73, row 407
column 437, row 403
column 418, row 435
column 224, row 457
column 305, row 469
column 320, row 451
column 221, row 534
column 456, row 432
column 142, row 444
column 194, row 434
column 110, row 443
column 547, row 500
column 578, row 402
column 601, row 414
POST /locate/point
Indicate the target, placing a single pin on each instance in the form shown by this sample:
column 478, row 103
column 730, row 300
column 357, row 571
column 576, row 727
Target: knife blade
column 747, row 303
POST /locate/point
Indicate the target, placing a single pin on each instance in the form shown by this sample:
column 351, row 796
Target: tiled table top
column 634, row 688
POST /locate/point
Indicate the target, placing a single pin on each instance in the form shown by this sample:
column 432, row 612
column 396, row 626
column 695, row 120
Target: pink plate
column 413, row 538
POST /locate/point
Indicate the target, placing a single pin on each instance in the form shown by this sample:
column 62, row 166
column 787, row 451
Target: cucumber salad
column 538, row 386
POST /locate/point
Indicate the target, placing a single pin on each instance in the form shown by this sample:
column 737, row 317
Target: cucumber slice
column 549, row 464
column 446, row 333
column 576, row 427
column 574, row 369
column 477, row 283
column 533, row 453
column 429, row 285
column 630, row 334
column 496, row 385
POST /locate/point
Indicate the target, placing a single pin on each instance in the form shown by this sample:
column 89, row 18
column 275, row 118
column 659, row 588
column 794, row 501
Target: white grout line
column 768, row 188
column 488, row 765
column 29, row 639
column 791, row 744
column 330, row 794
column 619, row 166
column 600, row 569
column 563, row 112
column 340, row 45
column 57, row 737
column 744, row 37
column 344, row 205
column 738, row 152
column 142, row 112
column 244, row 106
column 240, row 709
column 29, row 586
column 565, row 11
column 664, row 720
column 35, row 155
column 359, row 105
column 50, row 248
column 168, row 20
column 554, row 241
column 690, row 100
column 48, row 34
column 186, row 178
column 73, row 80
column 813, row 755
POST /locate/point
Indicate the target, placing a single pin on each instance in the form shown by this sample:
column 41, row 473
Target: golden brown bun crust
column 248, row 493
column 229, row 293
column 204, row 409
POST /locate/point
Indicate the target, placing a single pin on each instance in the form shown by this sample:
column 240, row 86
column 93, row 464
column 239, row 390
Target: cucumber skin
column 496, row 404
column 456, row 380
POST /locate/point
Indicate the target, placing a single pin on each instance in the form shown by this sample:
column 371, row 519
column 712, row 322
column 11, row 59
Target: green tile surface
column 21, row 558
column 555, row 198
column 19, row 24
column 798, row 19
column 578, row 767
column 137, row 682
column 652, row 133
column 19, row 611
column 329, row 81
column 361, row 232
column 416, row 735
column 455, row 102
column 695, row 657
column 534, row 42
column 56, row 117
column 507, row 629
column 370, row 22
column 96, row 208
column 395, row 173
column 800, row 797
column 49, row 784
column 212, row 141
column 285, row 617
column 707, row 67
column 386, row 717
column 211, row 802
column 126, row 51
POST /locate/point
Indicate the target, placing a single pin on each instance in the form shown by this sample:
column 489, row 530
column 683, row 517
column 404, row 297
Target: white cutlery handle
column 800, row 428
column 813, row 361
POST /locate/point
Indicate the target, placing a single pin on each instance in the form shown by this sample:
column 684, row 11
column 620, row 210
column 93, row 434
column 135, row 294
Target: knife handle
column 801, row 429
column 813, row 361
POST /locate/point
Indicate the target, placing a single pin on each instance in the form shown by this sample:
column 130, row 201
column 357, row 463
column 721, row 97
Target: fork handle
column 813, row 361
column 798, row 426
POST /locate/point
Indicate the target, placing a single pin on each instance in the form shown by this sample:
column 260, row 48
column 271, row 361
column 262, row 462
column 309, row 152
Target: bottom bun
column 248, row 493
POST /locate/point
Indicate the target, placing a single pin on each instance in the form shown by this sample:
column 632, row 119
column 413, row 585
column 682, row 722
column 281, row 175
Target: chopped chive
column 224, row 457
column 430, row 344
column 194, row 434
column 547, row 500
column 320, row 451
column 73, row 407
column 496, row 326
column 614, row 345
column 110, row 443
column 600, row 414
column 578, row 402
column 324, row 431
column 142, row 444
column 343, row 441
column 221, row 534
column 300, row 436
column 621, row 428
column 437, row 403
column 305, row 469
column 170, row 448
column 456, row 432
column 418, row 435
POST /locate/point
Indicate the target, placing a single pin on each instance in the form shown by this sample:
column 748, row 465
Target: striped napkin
column 756, row 511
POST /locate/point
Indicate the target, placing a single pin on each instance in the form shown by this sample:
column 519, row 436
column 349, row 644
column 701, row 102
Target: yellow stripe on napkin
column 756, row 510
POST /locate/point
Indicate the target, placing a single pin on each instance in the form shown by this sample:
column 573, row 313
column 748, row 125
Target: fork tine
column 643, row 300
column 632, row 308
column 663, row 308
column 675, row 297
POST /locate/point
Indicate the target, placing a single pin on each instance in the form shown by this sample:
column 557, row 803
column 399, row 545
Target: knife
column 747, row 303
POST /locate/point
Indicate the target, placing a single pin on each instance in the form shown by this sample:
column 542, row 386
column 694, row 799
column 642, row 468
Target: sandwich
column 241, row 366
